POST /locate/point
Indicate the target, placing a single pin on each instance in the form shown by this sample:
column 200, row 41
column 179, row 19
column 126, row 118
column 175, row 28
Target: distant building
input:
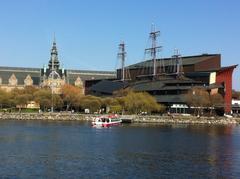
column 203, row 69
column 19, row 77
column 236, row 106
column 169, row 88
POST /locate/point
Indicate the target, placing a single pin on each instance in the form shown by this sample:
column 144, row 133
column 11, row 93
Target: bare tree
column 198, row 98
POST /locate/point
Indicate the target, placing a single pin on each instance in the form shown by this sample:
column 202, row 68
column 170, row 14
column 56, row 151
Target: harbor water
column 64, row 149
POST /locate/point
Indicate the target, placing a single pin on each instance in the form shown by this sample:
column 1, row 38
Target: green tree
column 112, row 104
column 57, row 101
column 4, row 99
column 122, row 92
column 44, row 98
column 137, row 102
column 21, row 97
column 92, row 103
column 22, row 100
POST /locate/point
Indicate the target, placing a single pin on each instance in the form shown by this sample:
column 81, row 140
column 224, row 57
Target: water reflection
column 76, row 150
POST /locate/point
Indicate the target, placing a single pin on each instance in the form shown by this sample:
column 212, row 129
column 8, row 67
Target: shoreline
column 130, row 118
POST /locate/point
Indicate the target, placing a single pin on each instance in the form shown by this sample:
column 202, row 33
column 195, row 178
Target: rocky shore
column 46, row 116
column 187, row 120
column 130, row 118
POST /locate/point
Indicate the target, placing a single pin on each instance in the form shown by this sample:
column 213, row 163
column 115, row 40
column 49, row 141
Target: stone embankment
column 129, row 118
column 187, row 120
column 46, row 116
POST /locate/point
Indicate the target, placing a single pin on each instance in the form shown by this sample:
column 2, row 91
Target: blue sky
column 88, row 32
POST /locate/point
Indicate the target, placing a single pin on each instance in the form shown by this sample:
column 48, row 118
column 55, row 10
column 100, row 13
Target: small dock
column 127, row 119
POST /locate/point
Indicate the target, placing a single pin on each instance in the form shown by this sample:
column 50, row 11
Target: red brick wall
column 226, row 77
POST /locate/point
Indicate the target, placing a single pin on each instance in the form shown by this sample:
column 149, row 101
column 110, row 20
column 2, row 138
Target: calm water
column 35, row 149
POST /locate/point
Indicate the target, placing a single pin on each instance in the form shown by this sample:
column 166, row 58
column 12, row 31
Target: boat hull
column 106, row 122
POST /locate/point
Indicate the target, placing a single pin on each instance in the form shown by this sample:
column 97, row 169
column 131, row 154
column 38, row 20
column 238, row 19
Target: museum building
column 173, row 79
column 48, row 76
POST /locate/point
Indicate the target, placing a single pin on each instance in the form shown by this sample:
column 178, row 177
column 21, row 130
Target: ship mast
column 122, row 55
column 154, row 49
column 178, row 61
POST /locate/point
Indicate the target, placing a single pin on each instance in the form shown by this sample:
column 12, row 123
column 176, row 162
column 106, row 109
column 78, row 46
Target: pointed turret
column 54, row 57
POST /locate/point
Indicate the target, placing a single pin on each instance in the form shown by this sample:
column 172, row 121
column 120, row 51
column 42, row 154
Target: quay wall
column 128, row 118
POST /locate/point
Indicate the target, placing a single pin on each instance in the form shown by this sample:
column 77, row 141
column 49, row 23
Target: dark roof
column 20, row 73
column 187, row 60
column 91, row 72
column 197, row 74
column 35, row 73
column 168, row 84
column 216, row 69
column 227, row 68
column 72, row 77
column 107, row 87
column 176, row 88
column 89, row 75
column 148, row 86
column 170, row 98
column 5, row 68
column 215, row 85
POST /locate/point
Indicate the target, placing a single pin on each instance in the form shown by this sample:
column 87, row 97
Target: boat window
column 104, row 119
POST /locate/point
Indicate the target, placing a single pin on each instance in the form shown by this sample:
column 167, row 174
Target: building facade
column 169, row 87
column 49, row 76
column 201, row 70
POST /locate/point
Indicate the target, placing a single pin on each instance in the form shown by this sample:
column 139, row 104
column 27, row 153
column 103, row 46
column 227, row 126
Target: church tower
column 53, row 76
column 54, row 57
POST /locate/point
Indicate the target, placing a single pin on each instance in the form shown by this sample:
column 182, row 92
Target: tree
column 44, row 98
column 71, row 95
column 151, row 104
column 21, row 97
column 198, row 98
column 92, row 103
column 235, row 94
column 57, row 101
column 136, row 102
column 4, row 98
column 112, row 104
column 122, row 92
column 30, row 90
column 216, row 102
column 22, row 100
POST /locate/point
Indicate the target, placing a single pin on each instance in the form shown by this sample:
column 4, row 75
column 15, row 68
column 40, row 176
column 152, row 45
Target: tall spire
column 54, row 56
column 54, row 38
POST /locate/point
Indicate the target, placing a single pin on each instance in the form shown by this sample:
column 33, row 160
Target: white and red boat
column 106, row 121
